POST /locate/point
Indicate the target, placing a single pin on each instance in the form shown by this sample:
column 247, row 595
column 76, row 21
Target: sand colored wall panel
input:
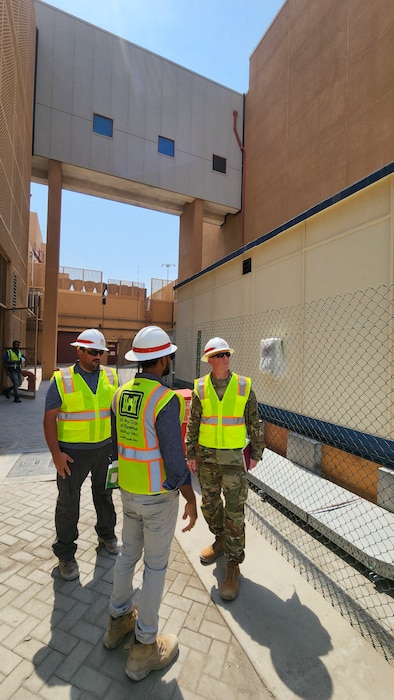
column 354, row 473
column 372, row 204
column 279, row 284
column 352, row 262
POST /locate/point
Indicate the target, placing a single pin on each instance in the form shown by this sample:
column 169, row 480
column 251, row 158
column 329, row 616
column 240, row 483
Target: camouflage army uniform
column 222, row 470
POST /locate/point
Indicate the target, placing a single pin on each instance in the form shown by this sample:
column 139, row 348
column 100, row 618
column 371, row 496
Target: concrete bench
column 361, row 528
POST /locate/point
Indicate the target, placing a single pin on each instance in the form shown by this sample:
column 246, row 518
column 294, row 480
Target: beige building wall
column 325, row 288
column 17, row 46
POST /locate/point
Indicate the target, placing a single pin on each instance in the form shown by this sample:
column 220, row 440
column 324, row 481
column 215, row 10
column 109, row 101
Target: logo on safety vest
column 130, row 403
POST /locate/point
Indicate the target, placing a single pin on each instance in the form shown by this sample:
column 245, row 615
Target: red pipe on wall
column 243, row 151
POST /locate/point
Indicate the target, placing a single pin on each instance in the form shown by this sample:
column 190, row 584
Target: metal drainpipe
column 243, row 150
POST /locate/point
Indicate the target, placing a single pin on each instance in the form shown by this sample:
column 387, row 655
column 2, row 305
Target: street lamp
column 168, row 265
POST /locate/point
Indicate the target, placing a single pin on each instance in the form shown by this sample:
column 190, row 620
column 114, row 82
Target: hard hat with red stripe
column 215, row 345
column 91, row 338
column 150, row 343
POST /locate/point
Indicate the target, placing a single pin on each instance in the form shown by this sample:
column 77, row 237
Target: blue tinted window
column 102, row 125
column 166, row 146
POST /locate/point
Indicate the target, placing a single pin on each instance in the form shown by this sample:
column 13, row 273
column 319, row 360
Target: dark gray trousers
column 96, row 462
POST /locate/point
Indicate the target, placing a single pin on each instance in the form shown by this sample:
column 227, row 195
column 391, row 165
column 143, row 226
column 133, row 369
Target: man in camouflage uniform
column 221, row 469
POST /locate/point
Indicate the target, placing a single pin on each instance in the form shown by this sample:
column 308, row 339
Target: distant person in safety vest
column 152, row 471
column 14, row 360
column 77, row 427
column 223, row 417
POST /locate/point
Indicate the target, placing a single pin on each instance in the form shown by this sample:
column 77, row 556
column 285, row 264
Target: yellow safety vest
column 84, row 416
column 222, row 424
column 14, row 359
column 140, row 464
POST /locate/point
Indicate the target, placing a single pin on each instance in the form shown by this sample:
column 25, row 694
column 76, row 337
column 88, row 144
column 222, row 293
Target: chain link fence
column 323, row 494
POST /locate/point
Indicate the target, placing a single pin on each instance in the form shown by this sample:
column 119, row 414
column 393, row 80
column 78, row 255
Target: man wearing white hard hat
column 151, row 472
column 223, row 415
column 77, row 427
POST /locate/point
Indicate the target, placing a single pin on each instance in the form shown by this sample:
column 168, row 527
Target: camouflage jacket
column 211, row 454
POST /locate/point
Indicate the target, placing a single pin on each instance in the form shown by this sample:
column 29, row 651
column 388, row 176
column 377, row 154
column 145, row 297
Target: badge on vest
column 112, row 476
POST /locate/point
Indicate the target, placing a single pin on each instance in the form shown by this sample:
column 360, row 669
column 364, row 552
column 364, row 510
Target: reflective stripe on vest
column 84, row 417
column 14, row 359
column 140, row 464
column 222, row 424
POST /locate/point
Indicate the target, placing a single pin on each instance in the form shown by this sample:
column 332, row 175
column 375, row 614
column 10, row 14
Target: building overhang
column 117, row 189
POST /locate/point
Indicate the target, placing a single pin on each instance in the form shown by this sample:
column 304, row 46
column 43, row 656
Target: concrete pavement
column 279, row 639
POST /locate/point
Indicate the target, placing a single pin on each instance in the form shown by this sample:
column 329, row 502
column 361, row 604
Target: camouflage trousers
column 225, row 517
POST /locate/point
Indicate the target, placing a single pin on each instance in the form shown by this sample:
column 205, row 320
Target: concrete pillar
column 49, row 330
column 191, row 239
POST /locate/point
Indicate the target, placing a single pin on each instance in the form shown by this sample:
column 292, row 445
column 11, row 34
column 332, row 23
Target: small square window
column 166, row 146
column 219, row 164
column 103, row 125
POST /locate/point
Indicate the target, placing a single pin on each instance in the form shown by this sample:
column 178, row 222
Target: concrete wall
column 17, row 46
column 319, row 110
column 82, row 70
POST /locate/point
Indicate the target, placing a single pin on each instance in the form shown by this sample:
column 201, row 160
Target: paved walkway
column 279, row 639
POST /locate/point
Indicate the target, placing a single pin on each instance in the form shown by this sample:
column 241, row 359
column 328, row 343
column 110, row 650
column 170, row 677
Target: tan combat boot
column 214, row 551
column 144, row 658
column 230, row 586
column 118, row 628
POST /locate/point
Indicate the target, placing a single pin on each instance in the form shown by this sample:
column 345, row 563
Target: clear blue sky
column 214, row 38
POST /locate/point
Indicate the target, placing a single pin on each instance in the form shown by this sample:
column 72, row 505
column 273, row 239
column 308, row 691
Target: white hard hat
column 150, row 343
column 213, row 346
column 91, row 338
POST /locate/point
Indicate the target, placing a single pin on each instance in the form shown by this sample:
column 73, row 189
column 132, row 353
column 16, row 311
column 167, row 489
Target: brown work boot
column 118, row 628
column 144, row 658
column 214, row 551
column 230, row 586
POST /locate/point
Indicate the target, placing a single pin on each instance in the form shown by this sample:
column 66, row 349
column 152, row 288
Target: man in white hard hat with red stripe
column 151, row 472
column 77, row 427
column 223, row 415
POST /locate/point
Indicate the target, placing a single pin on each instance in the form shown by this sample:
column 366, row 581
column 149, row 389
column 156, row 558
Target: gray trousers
column 148, row 526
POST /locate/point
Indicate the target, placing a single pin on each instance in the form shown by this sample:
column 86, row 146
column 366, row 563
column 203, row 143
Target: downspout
column 243, row 151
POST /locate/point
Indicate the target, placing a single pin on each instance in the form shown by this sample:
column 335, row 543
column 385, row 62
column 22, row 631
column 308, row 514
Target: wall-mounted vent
column 246, row 266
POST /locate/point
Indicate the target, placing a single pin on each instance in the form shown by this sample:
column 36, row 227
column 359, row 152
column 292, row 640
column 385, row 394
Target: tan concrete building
column 17, row 58
column 85, row 300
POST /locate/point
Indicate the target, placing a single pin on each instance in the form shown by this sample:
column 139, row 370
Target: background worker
column 13, row 360
column 77, row 427
column 151, row 472
column 223, row 414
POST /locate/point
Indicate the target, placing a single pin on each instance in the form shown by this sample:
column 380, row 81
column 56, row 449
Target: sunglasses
column 94, row 353
column 222, row 354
